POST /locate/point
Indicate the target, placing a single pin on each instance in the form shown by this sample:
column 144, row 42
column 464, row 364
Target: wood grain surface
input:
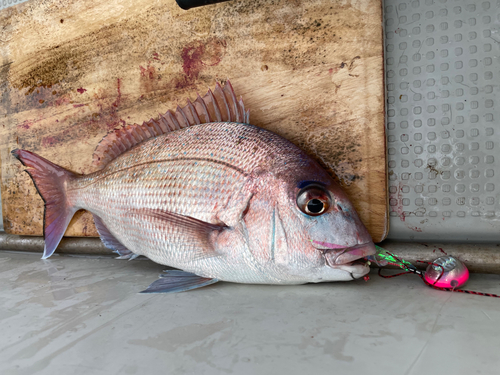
column 311, row 71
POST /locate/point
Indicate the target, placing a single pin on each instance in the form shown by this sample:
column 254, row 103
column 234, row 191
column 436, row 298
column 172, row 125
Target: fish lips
column 345, row 256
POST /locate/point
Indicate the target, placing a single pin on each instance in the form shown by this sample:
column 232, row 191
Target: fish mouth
column 350, row 258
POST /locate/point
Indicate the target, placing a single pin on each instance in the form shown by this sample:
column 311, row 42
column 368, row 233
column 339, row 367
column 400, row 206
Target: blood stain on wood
column 148, row 79
column 197, row 55
column 116, row 103
column 26, row 124
column 148, row 72
column 91, row 124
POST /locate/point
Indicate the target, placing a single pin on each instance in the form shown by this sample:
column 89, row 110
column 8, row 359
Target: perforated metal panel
column 443, row 77
column 9, row 3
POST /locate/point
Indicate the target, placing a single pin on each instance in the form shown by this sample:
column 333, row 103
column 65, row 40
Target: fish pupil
column 315, row 206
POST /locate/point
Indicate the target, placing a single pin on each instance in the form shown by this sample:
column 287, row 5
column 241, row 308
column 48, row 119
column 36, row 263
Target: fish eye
column 315, row 206
column 313, row 200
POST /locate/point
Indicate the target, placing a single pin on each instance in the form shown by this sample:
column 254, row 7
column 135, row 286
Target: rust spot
column 415, row 229
column 433, row 169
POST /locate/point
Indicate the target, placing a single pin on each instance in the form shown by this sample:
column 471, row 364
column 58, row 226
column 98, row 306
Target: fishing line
column 445, row 273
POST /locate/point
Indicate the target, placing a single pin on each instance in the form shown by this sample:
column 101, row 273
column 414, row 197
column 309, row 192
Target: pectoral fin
column 174, row 281
column 192, row 232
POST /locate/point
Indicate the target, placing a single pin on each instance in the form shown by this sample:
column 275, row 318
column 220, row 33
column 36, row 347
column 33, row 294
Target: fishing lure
column 445, row 273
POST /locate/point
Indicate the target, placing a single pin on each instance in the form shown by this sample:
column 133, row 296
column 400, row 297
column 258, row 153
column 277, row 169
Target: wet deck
column 84, row 315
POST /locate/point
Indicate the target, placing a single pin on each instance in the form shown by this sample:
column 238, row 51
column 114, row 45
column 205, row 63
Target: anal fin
column 174, row 281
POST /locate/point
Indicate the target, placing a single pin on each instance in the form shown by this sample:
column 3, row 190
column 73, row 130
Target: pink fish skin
column 220, row 200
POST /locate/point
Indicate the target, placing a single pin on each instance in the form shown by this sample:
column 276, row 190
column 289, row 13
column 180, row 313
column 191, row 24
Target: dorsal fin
column 216, row 106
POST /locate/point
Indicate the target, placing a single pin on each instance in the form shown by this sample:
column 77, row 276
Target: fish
column 205, row 192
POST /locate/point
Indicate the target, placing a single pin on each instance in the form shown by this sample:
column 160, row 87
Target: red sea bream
column 203, row 191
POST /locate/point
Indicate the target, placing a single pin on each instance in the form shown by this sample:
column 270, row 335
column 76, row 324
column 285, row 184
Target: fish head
column 322, row 216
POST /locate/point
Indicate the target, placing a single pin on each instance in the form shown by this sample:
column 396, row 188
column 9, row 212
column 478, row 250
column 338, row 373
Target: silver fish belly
column 206, row 172
column 217, row 200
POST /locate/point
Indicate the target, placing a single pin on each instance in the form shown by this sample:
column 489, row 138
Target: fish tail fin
column 50, row 181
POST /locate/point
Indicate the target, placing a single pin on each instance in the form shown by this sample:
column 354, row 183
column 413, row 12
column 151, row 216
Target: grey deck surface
column 82, row 315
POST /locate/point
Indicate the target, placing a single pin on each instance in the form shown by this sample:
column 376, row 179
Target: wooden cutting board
column 72, row 70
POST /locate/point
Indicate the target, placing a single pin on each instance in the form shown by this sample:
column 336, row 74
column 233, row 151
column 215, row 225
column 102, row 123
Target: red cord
column 458, row 290
column 421, row 274
column 391, row 276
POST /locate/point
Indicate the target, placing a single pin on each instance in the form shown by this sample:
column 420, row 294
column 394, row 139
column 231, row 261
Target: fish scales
column 200, row 173
column 220, row 201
